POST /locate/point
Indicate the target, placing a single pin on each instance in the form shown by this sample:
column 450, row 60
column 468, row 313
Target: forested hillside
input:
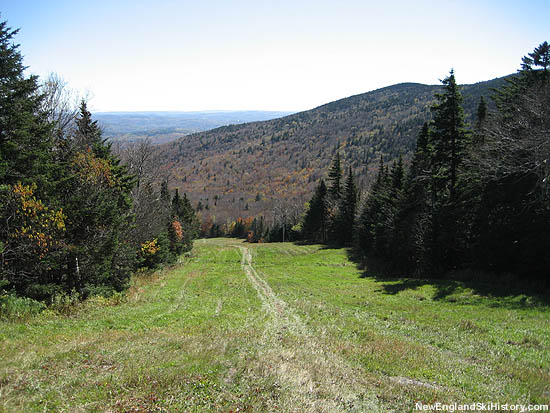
column 473, row 197
column 246, row 170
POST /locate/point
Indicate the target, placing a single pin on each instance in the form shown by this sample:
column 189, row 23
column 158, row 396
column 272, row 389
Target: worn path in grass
column 277, row 327
column 317, row 380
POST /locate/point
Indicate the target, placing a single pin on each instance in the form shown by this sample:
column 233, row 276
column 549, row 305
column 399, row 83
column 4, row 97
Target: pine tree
column 397, row 174
column 419, row 170
column 412, row 208
column 539, row 58
column 481, row 116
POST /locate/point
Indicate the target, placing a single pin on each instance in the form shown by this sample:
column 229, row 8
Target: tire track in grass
column 312, row 378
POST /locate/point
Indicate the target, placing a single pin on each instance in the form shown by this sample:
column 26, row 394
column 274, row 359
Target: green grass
column 207, row 336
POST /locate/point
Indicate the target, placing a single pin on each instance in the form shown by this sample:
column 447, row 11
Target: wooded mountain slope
column 247, row 169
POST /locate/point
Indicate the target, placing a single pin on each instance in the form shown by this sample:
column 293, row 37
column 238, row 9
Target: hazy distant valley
column 162, row 127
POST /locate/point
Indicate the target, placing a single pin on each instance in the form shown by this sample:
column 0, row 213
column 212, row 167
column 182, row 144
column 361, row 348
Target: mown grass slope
column 277, row 327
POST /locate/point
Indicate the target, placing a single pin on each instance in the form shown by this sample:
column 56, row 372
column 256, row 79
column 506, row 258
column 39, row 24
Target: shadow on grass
column 326, row 246
column 461, row 287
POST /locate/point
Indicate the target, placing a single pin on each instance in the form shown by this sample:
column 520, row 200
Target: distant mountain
column 246, row 169
column 167, row 126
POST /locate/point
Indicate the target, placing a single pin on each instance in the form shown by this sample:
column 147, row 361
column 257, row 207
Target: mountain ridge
column 245, row 169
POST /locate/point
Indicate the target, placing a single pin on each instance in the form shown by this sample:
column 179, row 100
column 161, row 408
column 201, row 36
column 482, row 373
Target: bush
column 13, row 307
column 63, row 303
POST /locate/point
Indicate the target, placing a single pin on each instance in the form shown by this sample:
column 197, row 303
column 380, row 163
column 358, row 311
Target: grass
column 296, row 328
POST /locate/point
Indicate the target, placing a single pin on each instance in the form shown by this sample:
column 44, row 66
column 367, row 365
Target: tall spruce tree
column 371, row 229
column 344, row 223
column 413, row 206
column 514, row 171
column 25, row 135
column 315, row 221
column 449, row 139
column 96, row 199
column 88, row 134
column 31, row 223
column 335, row 179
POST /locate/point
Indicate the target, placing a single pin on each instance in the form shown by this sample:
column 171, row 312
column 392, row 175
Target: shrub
column 13, row 307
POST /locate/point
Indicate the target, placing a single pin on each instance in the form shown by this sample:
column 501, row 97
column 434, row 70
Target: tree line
column 75, row 217
column 471, row 197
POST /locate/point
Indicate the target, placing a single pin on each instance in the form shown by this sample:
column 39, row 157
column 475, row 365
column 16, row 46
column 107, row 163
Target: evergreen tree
column 539, row 58
column 96, row 199
column 345, row 219
column 372, row 237
column 335, row 179
column 448, row 138
column 420, row 170
column 164, row 192
column 397, row 174
column 31, row 222
column 25, row 136
column 183, row 213
column 481, row 113
column 449, row 141
column 513, row 214
column 412, row 208
column 481, row 116
column 315, row 221
column 88, row 134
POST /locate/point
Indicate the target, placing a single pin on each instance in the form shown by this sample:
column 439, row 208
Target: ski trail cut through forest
column 315, row 379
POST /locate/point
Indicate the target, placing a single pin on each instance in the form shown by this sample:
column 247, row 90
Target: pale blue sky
column 268, row 55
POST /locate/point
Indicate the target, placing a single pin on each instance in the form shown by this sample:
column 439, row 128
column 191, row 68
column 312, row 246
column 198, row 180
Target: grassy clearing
column 290, row 328
column 414, row 339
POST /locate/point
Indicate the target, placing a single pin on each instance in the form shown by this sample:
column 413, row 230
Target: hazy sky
column 268, row 55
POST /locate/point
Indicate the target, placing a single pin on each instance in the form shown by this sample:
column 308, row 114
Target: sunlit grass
column 199, row 338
